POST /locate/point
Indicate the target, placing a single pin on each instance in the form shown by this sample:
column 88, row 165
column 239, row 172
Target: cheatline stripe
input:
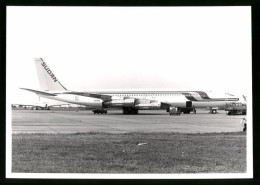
column 187, row 94
column 136, row 92
column 224, row 99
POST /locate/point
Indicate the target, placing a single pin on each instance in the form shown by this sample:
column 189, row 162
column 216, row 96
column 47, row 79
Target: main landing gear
column 186, row 111
column 129, row 110
column 99, row 111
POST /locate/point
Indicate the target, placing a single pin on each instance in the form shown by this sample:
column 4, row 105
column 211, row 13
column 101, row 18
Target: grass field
column 120, row 153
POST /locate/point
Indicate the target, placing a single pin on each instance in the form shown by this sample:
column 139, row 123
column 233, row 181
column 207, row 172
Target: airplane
column 37, row 106
column 31, row 106
column 130, row 101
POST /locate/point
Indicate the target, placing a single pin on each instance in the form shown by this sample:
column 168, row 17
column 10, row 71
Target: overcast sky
column 199, row 48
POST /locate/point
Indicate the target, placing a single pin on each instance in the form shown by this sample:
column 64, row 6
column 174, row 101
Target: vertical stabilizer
column 48, row 81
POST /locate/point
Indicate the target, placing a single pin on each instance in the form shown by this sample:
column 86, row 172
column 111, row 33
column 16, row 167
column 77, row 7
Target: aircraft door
column 188, row 104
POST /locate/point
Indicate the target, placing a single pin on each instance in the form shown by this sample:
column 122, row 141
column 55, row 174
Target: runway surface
column 32, row 121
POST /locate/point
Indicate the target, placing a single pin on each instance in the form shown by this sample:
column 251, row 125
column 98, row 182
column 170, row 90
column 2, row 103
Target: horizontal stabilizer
column 39, row 92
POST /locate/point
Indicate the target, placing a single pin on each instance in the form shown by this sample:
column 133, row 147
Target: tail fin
column 48, row 81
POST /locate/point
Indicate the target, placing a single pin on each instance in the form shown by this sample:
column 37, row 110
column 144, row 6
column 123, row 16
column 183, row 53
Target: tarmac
column 53, row 121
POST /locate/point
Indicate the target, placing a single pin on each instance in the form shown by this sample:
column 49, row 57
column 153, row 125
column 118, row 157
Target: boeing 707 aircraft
column 129, row 101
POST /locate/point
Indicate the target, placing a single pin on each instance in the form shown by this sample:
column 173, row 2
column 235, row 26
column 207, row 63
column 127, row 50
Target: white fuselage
column 129, row 100
column 149, row 99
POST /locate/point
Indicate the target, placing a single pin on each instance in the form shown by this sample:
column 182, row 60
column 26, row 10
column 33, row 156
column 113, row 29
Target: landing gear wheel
column 214, row 111
column 130, row 111
column 125, row 111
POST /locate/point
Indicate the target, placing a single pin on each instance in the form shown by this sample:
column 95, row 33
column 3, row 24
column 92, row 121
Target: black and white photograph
column 103, row 92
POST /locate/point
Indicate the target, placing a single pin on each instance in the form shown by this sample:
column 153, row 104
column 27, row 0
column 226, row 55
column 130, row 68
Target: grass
column 120, row 153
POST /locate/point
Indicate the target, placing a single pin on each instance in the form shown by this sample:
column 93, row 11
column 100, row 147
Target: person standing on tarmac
column 243, row 123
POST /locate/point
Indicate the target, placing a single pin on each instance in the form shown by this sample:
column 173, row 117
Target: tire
column 214, row 111
column 125, row 111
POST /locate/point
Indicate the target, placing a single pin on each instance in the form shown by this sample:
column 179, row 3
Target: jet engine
column 148, row 106
column 120, row 103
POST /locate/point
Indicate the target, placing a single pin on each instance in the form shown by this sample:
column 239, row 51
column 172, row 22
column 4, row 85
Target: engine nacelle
column 149, row 106
column 96, row 103
column 120, row 103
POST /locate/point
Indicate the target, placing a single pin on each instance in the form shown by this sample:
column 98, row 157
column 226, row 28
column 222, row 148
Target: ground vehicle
column 236, row 108
column 174, row 111
column 100, row 111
